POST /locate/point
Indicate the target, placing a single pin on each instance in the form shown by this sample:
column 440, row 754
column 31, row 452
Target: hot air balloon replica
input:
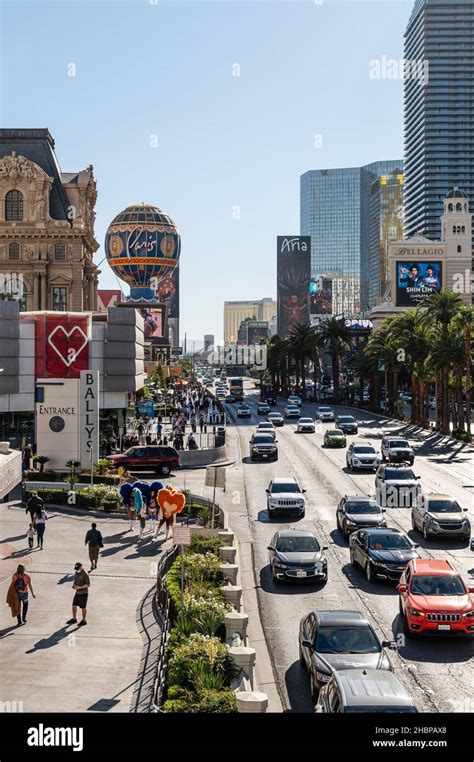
column 142, row 246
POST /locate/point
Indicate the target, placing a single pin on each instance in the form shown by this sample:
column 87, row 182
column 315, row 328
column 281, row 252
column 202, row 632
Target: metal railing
column 161, row 609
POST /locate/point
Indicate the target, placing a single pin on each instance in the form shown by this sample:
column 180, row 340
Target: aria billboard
column 293, row 279
column 416, row 281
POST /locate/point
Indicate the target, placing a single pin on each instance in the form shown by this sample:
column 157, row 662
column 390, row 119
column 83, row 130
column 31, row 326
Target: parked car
column 263, row 408
column 334, row 438
column 361, row 456
column 364, row 690
column 397, row 450
column 339, row 640
column 263, row 447
column 396, row 486
column 162, row 459
column 244, row 411
column 440, row 516
column 284, row 495
column 358, row 512
column 276, row 418
column 305, row 425
column 347, row 424
column 381, row 552
column 435, row 600
column 295, row 555
column 291, row 411
column 325, row 413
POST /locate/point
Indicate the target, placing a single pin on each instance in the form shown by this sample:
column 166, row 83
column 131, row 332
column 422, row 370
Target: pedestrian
column 26, row 456
column 142, row 520
column 17, row 596
column 169, row 521
column 81, row 587
column 136, row 504
column 201, row 423
column 95, row 543
column 192, row 444
column 31, row 535
column 33, row 504
column 41, row 518
column 152, row 508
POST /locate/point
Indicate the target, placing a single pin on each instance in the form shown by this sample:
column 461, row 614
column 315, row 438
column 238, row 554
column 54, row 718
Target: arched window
column 454, row 228
column 450, row 207
column 459, row 249
column 14, row 250
column 463, row 229
column 459, row 207
column 60, row 252
column 14, row 205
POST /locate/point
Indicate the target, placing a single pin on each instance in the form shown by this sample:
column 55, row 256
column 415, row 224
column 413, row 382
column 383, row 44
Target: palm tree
column 412, row 340
column 42, row 460
column 336, row 339
column 464, row 321
column 300, row 344
column 380, row 349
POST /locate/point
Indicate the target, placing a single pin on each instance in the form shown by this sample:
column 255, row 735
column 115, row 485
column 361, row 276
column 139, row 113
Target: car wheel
column 352, row 559
column 406, row 628
column 345, row 532
column 275, row 579
column 413, row 523
column 369, row 572
column 400, row 607
column 271, row 512
column 164, row 470
column 426, row 534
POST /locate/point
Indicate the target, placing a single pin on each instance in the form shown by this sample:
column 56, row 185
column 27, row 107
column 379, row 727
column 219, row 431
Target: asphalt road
column 438, row 673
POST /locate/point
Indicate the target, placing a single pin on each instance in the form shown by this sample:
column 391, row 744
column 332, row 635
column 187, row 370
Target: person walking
column 81, row 587
column 31, row 535
column 95, row 543
column 26, row 456
column 142, row 519
column 17, row 596
column 33, row 504
column 152, row 508
column 169, row 521
column 41, row 518
column 136, row 504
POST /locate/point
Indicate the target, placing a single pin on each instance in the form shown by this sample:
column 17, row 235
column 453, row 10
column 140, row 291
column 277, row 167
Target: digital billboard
column 416, row 281
column 320, row 296
column 167, row 292
column 153, row 322
column 293, row 278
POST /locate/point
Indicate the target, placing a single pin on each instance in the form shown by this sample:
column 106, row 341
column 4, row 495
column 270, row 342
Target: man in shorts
column 81, row 586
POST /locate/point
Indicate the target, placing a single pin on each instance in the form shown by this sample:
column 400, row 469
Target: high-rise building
column 386, row 224
column 208, row 341
column 335, row 211
column 235, row 312
column 439, row 115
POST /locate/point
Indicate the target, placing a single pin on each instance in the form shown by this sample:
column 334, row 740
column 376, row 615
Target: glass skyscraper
column 439, row 110
column 335, row 212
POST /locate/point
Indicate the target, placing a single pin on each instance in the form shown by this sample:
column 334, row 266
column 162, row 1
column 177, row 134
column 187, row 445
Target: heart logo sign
column 171, row 501
column 67, row 344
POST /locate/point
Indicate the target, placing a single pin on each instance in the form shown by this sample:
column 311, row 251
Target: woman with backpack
column 41, row 518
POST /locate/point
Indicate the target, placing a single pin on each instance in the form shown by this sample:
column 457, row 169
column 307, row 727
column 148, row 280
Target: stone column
column 35, row 291
column 43, row 292
column 91, row 293
column 96, row 286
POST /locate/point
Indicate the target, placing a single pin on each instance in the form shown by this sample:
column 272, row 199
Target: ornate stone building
column 47, row 219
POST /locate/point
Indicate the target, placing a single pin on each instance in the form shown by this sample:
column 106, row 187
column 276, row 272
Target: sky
column 210, row 110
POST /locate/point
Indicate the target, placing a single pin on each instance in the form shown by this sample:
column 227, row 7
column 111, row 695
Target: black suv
column 263, row 447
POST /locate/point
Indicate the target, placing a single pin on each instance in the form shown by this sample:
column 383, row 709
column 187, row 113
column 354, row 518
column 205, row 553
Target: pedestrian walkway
column 103, row 667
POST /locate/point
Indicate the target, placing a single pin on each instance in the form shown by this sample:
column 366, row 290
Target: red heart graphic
column 171, row 501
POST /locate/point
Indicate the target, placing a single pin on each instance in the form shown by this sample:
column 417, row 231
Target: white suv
column 284, row 495
column 362, row 456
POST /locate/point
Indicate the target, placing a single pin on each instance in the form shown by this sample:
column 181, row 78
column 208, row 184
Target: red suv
column 434, row 599
column 148, row 458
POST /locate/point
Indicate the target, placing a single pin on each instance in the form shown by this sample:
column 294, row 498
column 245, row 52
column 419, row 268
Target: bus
column 237, row 388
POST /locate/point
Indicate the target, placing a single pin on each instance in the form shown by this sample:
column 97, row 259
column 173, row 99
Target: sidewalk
column 51, row 666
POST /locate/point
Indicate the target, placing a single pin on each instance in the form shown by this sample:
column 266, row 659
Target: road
column 438, row 673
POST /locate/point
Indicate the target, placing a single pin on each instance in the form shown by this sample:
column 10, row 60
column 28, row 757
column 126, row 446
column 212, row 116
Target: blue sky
column 228, row 146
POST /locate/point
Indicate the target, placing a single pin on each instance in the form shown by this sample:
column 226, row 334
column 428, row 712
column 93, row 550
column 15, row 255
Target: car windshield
column 389, row 541
column 335, row 433
column 275, row 416
column 297, row 545
column 360, row 506
column 398, row 443
column 444, row 506
column 364, row 450
column 346, row 639
column 444, row 584
column 285, row 487
column 263, row 439
column 306, row 420
column 324, row 409
column 399, row 473
column 346, row 419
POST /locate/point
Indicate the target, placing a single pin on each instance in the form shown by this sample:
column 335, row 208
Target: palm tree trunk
column 376, row 388
column 415, row 402
column 335, row 375
column 439, row 399
column 303, row 377
column 468, row 378
column 445, row 407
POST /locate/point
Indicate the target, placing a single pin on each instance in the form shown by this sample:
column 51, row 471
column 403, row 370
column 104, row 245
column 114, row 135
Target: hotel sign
column 89, row 417
column 419, row 251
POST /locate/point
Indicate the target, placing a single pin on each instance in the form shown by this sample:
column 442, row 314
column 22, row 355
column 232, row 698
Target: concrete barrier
column 196, row 458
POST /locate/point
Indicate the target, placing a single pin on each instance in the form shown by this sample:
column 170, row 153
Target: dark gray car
column 356, row 511
column 364, row 690
column 295, row 555
column 335, row 640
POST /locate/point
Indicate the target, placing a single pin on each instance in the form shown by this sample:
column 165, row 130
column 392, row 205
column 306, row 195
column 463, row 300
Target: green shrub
column 201, row 544
column 197, row 647
column 51, row 496
column 216, row 702
column 178, row 705
column 42, row 476
column 108, row 479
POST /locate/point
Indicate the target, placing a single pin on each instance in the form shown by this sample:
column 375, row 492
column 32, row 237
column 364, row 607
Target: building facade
column 335, row 211
column 235, row 312
column 386, row 224
column 253, row 331
column 209, row 341
column 46, row 226
column 439, row 114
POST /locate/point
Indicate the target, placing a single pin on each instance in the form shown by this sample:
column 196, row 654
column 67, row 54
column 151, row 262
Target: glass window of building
column 14, row 251
column 60, row 299
column 14, row 205
column 60, row 252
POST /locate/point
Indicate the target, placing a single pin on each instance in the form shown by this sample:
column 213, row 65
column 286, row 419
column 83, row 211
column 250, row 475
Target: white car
column 362, row 456
column 291, row 411
column 266, row 427
column 396, row 486
column 325, row 413
column 276, row 418
column 293, row 399
column 306, row 424
column 284, row 495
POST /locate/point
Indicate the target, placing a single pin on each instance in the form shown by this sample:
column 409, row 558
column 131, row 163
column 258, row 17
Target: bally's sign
column 89, row 417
